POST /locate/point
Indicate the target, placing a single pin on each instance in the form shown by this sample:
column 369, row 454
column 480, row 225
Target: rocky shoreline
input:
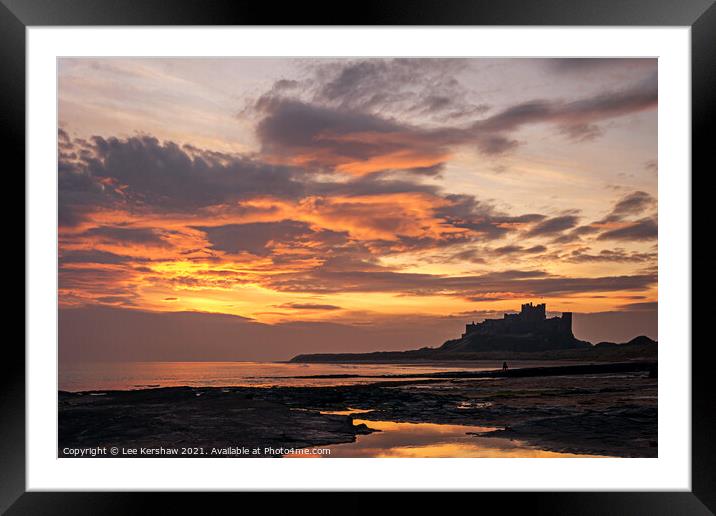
column 584, row 411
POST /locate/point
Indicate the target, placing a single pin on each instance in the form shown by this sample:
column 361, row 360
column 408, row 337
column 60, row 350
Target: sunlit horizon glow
column 358, row 191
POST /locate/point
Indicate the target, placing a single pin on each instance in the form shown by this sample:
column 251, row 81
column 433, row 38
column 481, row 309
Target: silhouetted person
column 504, row 366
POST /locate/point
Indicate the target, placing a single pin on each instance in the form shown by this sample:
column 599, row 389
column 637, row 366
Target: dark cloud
column 566, row 238
column 170, row 175
column 522, row 219
column 581, row 132
column 116, row 300
column 508, row 249
column 465, row 211
column 582, row 65
column 112, row 234
column 575, row 117
column 402, row 243
column 484, row 314
column 609, row 255
column 84, row 284
column 256, row 237
column 518, row 249
column 487, row 229
column 585, row 230
column 78, row 192
column 285, row 84
column 643, row 229
column 328, row 138
column 431, row 171
column 469, row 255
column 142, row 173
column 307, row 306
column 576, row 234
column 554, row 225
column 535, row 249
column 495, row 144
column 631, row 204
column 292, row 125
column 197, row 281
column 640, row 307
column 96, row 256
column 539, row 283
column 349, row 135
column 634, row 203
column 424, row 87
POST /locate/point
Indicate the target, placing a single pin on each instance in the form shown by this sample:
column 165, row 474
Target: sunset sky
column 364, row 193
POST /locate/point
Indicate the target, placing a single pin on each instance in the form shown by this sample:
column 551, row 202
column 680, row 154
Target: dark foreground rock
column 181, row 421
column 612, row 414
column 631, row 432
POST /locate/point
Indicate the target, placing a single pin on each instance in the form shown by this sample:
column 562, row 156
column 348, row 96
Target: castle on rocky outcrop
column 532, row 319
column 529, row 330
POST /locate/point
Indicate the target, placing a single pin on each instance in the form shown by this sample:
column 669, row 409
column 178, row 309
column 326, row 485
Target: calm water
column 429, row 440
column 144, row 375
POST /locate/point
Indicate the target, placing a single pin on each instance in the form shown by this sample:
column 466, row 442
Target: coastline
column 577, row 369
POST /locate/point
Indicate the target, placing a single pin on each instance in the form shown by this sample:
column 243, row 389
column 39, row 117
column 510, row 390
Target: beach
column 571, row 410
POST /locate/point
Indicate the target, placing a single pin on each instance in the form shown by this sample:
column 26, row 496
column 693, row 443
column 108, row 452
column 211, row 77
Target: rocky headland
column 639, row 348
column 527, row 335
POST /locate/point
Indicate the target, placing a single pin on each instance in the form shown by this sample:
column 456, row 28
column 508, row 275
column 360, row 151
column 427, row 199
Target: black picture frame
column 700, row 15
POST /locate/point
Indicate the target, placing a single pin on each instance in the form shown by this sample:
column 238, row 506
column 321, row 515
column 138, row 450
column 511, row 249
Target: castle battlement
column 532, row 319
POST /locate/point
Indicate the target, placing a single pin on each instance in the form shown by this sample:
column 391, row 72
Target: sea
column 97, row 376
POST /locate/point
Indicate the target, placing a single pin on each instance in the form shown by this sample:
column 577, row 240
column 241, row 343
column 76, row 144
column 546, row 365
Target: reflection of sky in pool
column 403, row 440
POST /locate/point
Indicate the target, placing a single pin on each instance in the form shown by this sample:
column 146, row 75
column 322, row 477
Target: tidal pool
column 430, row 440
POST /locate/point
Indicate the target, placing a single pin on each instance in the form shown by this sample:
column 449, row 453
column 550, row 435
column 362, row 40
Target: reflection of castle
column 531, row 320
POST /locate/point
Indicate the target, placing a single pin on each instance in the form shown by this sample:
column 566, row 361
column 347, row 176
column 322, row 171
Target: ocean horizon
column 98, row 376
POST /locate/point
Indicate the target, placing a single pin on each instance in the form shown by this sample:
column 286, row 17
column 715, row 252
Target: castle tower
column 533, row 313
column 567, row 322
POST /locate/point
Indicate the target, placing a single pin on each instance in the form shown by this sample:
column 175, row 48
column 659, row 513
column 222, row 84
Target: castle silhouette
column 531, row 319
column 528, row 330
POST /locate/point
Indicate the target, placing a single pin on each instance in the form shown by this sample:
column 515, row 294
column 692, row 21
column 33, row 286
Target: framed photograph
column 417, row 248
